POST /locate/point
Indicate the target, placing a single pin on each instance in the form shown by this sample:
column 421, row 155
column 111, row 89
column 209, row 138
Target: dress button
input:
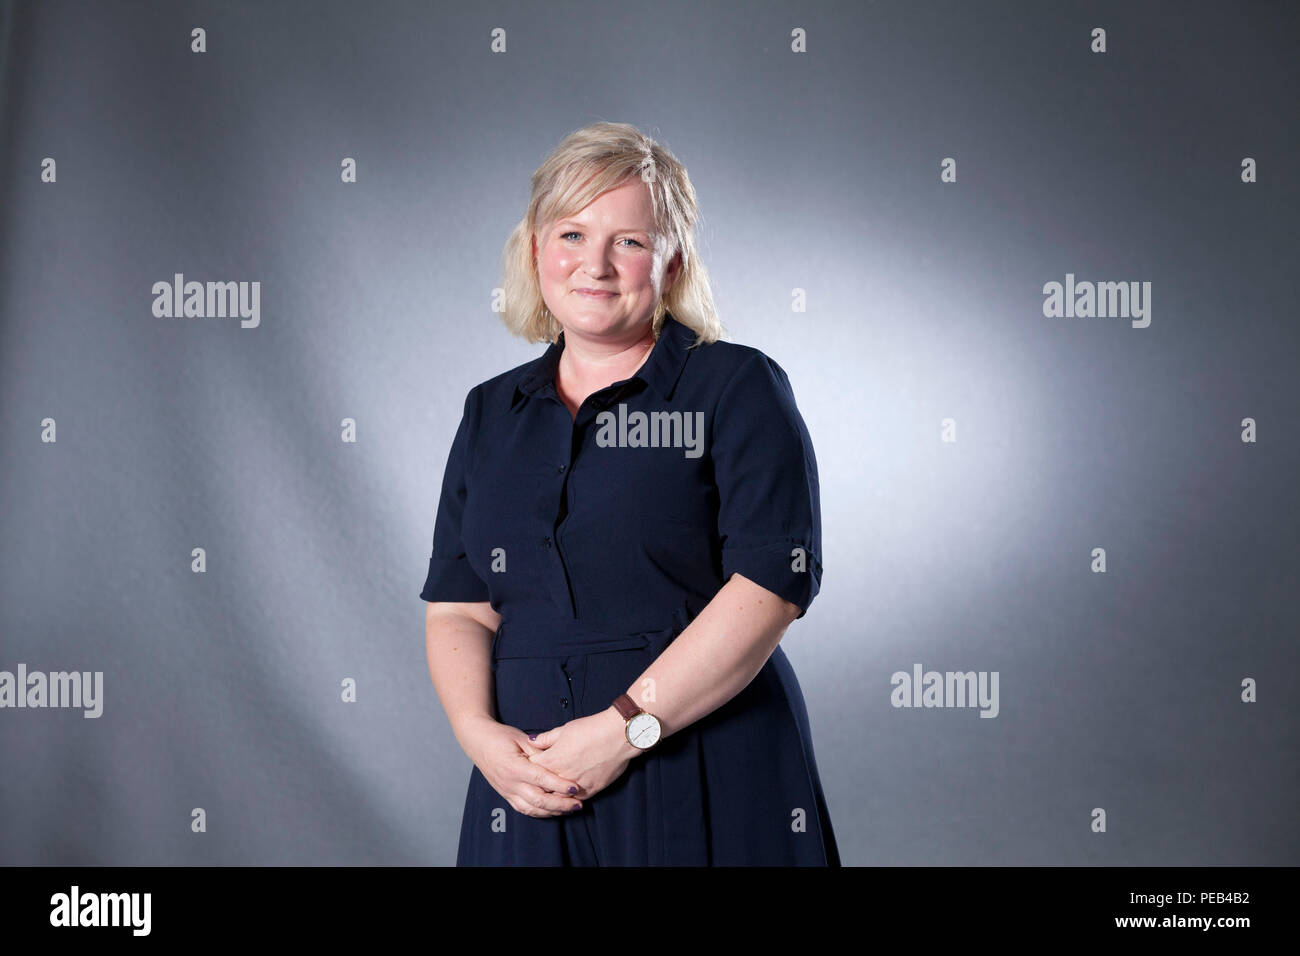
column 564, row 702
column 561, row 469
column 546, row 542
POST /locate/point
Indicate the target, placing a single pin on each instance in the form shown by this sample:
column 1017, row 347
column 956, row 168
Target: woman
column 628, row 525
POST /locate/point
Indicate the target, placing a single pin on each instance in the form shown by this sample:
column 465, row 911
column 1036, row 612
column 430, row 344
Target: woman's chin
column 592, row 321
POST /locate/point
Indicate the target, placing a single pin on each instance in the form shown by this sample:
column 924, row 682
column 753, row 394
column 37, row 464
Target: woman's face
column 609, row 246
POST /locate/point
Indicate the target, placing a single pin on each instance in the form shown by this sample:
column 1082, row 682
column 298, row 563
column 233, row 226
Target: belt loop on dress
column 686, row 613
column 492, row 649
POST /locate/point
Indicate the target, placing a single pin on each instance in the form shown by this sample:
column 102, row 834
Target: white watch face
column 643, row 730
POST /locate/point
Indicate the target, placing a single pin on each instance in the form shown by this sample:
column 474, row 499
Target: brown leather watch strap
column 626, row 706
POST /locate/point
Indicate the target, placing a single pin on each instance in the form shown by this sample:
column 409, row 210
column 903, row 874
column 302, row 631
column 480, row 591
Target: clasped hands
column 551, row 774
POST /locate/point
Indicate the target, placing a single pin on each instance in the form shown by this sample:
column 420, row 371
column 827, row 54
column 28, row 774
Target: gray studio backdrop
column 1099, row 510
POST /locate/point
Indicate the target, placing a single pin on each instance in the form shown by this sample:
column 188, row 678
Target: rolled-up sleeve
column 769, row 517
column 450, row 576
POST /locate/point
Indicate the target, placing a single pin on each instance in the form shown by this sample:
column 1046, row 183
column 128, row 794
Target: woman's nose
column 596, row 263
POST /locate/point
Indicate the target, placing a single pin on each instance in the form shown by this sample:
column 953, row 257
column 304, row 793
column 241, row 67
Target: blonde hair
column 588, row 162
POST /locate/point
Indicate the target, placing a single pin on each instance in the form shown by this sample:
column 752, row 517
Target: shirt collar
column 661, row 370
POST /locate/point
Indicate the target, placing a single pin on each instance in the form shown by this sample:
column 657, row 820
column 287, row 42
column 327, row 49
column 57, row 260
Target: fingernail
column 532, row 736
column 573, row 790
column 577, row 807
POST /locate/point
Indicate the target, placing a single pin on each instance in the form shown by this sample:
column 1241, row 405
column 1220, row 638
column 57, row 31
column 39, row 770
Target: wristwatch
column 642, row 729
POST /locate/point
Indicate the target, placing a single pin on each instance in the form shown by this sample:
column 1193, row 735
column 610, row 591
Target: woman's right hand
column 501, row 754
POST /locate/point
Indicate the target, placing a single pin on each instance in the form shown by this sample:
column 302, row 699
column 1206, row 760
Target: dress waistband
column 517, row 639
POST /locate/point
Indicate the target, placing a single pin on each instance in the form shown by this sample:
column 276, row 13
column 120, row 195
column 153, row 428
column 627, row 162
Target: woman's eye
column 566, row 235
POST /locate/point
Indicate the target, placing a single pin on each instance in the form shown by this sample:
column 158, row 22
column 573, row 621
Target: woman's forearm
column 710, row 662
column 459, row 651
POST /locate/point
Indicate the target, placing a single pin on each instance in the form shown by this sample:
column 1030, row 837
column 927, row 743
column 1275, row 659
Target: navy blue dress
column 598, row 540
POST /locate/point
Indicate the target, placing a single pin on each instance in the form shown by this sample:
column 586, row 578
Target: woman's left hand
column 591, row 751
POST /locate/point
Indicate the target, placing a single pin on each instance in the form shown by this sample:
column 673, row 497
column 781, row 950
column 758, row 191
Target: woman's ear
column 672, row 271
